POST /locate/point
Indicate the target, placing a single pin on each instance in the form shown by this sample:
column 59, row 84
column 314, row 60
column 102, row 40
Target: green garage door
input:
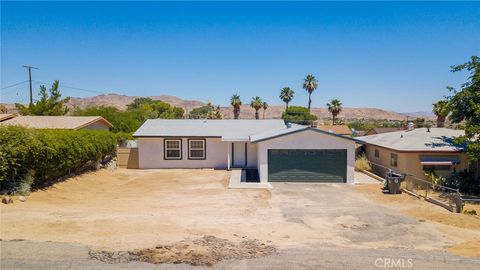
column 301, row 165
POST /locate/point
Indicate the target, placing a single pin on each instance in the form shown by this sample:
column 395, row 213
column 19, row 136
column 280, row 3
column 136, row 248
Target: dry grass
column 362, row 164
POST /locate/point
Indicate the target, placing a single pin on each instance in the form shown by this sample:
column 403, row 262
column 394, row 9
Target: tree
column 441, row 110
column 265, row 107
column 156, row 108
column 49, row 104
column 256, row 104
column 3, row 109
column 298, row 115
column 286, row 95
column 464, row 107
column 215, row 112
column 236, row 103
column 310, row 84
column 123, row 121
column 419, row 122
column 334, row 107
column 200, row 112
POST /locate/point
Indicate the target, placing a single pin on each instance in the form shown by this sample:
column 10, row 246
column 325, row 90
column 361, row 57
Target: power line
column 76, row 88
column 15, row 84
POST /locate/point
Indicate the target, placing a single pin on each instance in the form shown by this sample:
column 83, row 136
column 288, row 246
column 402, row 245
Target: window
column 196, row 149
column 436, row 168
column 377, row 153
column 393, row 160
column 173, row 149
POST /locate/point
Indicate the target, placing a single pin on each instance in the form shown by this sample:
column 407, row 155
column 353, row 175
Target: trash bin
column 393, row 182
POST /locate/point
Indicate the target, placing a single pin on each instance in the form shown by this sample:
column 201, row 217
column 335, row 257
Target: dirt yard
column 139, row 210
column 464, row 228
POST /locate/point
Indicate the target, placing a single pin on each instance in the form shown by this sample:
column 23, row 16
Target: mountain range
column 246, row 112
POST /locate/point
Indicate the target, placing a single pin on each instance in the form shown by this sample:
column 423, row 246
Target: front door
column 239, row 155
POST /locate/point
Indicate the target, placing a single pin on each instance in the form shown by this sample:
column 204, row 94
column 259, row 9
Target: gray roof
column 228, row 130
column 438, row 139
column 277, row 132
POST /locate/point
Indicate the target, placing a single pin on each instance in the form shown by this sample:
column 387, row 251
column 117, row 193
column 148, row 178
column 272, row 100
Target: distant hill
column 246, row 112
column 121, row 101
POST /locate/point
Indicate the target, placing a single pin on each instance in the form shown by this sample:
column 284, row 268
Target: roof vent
column 288, row 124
column 410, row 126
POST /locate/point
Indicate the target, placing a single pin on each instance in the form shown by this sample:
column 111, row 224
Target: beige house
column 416, row 151
column 270, row 148
column 375, row 131
column 60, row 122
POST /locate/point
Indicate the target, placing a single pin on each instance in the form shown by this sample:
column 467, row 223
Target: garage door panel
column 305, row 165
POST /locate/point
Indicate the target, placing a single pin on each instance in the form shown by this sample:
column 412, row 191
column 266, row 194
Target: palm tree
column 236, row 103
column 257, row 104
column 441, row 110
column 265, row 107
column 334, row 107
column 310, row 84
column 286, row 95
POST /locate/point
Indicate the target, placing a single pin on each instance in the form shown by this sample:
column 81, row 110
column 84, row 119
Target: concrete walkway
column 237, row 180
column 361, row 178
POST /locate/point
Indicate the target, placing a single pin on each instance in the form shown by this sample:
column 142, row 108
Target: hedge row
column 46, row 155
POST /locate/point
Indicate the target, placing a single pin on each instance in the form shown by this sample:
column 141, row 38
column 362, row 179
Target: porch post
column 229, row 155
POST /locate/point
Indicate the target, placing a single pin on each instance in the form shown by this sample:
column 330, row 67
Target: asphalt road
column 49, row 255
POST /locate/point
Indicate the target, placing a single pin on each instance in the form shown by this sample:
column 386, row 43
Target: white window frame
column 393, row 157
column 166, row 149
column 204, row 149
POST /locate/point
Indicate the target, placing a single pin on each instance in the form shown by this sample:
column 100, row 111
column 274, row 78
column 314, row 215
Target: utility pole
column 30, row 78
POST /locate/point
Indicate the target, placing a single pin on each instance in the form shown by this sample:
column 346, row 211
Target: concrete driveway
column 333, row 226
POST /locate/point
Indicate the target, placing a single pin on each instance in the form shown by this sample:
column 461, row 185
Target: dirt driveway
column 134, row 209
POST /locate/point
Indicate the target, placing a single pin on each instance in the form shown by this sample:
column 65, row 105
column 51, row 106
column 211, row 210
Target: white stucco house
column 279, row 151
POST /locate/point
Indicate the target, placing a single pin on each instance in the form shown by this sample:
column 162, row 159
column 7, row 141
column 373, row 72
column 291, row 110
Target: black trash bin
column 393, row 182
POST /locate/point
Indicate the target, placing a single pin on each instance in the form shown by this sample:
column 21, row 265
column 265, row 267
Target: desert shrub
column 362, row 164
column 470, row 212
column 46, row 155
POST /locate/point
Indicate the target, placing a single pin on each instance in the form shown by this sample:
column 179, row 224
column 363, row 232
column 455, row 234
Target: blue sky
column 393, row 56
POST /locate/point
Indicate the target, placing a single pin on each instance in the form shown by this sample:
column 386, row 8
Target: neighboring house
column 60, row 122
column 417, row 151
column 6, row 116
column 337, row 129
column 375, row 131
column 359, row 133
column 280, row 152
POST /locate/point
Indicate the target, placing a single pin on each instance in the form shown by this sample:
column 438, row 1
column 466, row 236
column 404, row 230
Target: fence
column 443, row 196
column 127, row 158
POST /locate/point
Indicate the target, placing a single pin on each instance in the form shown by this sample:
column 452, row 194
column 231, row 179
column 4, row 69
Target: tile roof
column 337, row 129
column 384, row 130
column 6, row 116
column 55, row 122
column 420, row 139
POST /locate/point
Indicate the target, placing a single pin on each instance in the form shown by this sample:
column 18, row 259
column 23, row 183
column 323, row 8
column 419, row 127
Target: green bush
column 298, row 115
column 49, row 154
